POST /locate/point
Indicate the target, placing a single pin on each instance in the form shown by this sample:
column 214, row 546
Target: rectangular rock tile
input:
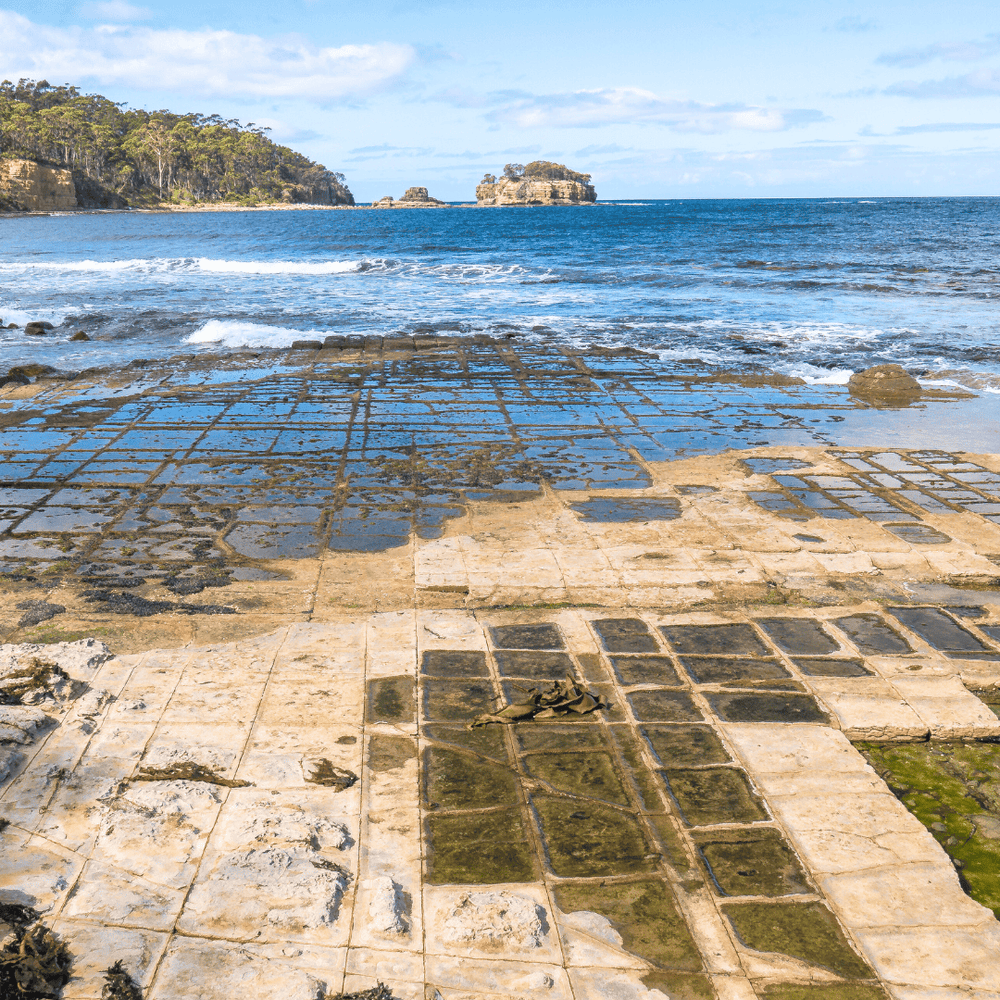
column 765, row 706
column 685, row 746
column 713, row 795
column 96, row 947
column 947, row 707
column 664, row 706
column 496, row 978
column 961, row 958
column 318, row 698
column 732, row 669
column 837, row 833
column 106, row 894
column 713, row 640
column 456, row 700
column 869, row 708
column 625, row 635
column 751, row 863
column 914, row 895
column 478, row 848
column 646, row 670
column 533, row 665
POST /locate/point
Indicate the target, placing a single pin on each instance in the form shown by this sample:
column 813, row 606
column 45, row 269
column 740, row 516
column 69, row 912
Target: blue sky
column 655, row 99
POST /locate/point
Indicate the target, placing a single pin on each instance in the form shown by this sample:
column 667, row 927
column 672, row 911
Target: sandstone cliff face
column 35, row 188
column 506, row 191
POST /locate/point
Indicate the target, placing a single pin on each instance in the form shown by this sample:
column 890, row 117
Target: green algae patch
column 188, row 771
column 584, row 774
column 644, row 913
column 714, row 795
column 559, row 737
column 954, row 790
column 821, row 991
column 478, row 848
column 679, row 985
column 456, row 780
column 447, row 700
column 390, row 699
column 686, row 746
column 386, row 753
column 751, row 863
column 483, row 742
column 588, row 838
column 806, row 931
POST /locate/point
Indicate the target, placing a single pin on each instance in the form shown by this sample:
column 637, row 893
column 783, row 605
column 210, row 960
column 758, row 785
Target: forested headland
column 123, row 156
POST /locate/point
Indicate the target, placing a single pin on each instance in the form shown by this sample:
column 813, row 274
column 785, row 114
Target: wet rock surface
column 289, row 800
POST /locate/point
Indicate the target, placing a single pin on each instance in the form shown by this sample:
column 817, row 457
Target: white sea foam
column 238, row 333
column 278, row 266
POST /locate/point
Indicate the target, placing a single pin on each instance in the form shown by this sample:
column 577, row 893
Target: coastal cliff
column 31, row 187
column 538, row 183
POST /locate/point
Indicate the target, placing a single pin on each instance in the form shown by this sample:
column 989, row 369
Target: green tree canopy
column 122, row 155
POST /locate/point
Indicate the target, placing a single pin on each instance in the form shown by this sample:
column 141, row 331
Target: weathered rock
column 14, row 377
column 539, row 183
column 78, row 659
column 386, row 202
column 35, row 188
column 306, row 345
column 498, row 920
column 10, row 760
column 79, row 335
column 387, row 910
column 273, row 887
column 890, row 383
column 38, row 329
column 21, row 723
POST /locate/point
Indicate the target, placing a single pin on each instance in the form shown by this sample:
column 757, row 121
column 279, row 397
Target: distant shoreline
column 233, row 207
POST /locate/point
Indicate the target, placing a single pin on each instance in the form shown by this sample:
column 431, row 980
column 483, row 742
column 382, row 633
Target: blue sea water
column 808, row 287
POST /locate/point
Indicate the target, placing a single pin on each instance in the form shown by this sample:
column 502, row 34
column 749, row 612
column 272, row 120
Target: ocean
column 814, row 288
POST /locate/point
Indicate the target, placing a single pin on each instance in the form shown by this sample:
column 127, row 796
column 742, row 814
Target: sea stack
column 538, row 183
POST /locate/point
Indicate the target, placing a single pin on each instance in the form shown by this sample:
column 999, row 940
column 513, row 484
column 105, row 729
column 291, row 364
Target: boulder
column 79, row 335
column 14, row 377
column 38, row 328
column 884, row 383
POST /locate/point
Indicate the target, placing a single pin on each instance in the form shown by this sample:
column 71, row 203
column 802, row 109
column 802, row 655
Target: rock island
column 538, row 183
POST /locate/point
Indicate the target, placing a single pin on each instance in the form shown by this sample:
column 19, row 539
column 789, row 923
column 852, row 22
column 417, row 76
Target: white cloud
column 202, row 62
column 980, row 83
column 953, row 51
column 629, row 105
column 114, row 10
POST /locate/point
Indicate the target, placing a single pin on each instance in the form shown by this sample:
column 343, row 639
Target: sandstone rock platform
column 239, row 759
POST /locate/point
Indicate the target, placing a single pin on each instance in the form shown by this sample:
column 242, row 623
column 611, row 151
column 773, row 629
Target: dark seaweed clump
column 34, row 962
column 327, row 773
column 378, row 992
column 141, row 607
column 187, row 770
column 119, row 985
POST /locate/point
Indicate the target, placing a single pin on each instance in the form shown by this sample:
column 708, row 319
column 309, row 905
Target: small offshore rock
column 79, row 335
column 884, row 382
column 38, row 328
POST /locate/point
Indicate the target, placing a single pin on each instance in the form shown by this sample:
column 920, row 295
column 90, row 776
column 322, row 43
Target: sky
column 654, row 98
